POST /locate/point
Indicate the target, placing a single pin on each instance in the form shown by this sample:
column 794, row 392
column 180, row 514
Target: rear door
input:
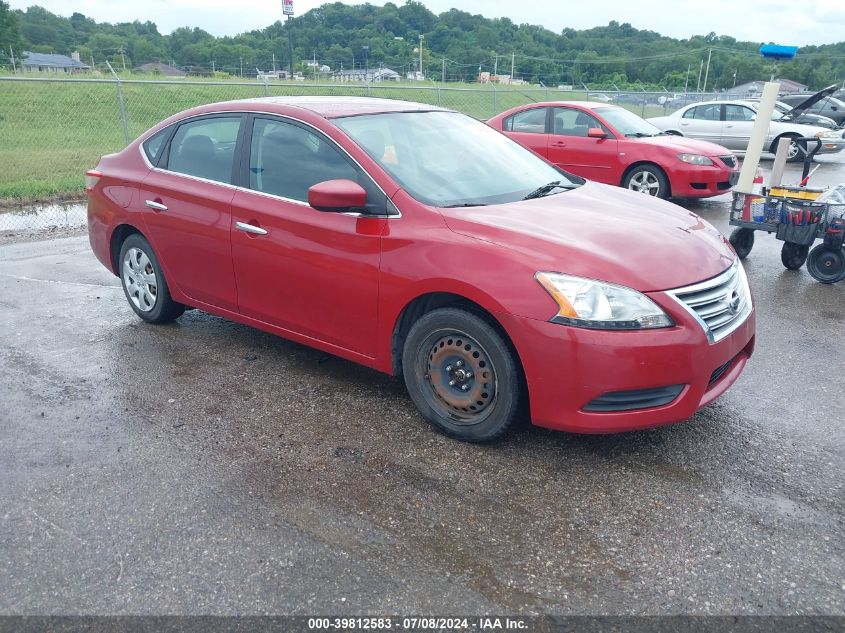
column 307, row 271
column 529, row 129
column 739, row 121
column 703, row 122
column 571, row 149
column 186, row 203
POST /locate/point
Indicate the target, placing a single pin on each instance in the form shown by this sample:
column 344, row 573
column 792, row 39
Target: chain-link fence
column 53, row 129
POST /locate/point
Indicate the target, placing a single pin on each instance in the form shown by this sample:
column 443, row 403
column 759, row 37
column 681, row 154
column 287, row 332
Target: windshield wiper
column 463, row 204
column 545, row 190
column 640, row 135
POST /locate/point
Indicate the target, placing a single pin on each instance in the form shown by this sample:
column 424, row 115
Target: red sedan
column 609, row 144
column 420, row 242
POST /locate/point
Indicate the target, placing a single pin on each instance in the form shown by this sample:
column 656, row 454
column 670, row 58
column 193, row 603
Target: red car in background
column 612, row 145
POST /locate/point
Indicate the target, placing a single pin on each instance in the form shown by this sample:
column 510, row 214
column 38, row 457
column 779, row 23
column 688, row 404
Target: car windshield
column 627, row 123
column 447, row 159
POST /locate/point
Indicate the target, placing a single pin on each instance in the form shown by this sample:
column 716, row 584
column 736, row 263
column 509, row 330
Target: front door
column 571, row 149
column 310, row 272
column 186, row 206
column 739, row 121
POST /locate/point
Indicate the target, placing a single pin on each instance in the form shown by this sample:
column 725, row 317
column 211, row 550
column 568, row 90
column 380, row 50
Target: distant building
column 50, row 63
column 157, row 68
column 753, row 89
column 370, row 76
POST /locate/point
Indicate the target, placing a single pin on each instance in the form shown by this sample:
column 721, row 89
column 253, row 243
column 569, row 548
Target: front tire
column 743, row 241
column 648, row 179
column 143, row 282
column 461, row 374
column 797, row 149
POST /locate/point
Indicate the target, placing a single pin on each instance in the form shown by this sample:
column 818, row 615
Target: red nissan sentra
column 420, row 242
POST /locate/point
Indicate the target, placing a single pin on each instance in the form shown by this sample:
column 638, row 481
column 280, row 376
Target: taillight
column 92, row 177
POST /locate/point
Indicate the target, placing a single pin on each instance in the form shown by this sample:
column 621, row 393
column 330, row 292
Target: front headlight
column 695, row 159
column 601, row 306
column 828, row 134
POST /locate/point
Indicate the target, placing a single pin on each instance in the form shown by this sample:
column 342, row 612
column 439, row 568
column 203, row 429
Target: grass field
column 52, row 131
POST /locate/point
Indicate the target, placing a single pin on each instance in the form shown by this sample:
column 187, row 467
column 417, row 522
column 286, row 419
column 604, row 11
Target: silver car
column 729, row 123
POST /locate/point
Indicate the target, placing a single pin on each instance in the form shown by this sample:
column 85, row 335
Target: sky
column 789, row 22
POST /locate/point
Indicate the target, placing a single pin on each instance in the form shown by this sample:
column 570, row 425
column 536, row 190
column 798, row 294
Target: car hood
column 605, row 233
column 814, row 99
column 683, row 145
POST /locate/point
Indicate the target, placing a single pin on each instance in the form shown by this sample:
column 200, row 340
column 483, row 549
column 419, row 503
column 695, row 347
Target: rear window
column 205, row 148
column 154, row 145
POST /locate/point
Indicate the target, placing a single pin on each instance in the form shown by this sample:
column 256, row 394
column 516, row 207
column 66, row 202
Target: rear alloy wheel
column 826, row 264
column 461, row 375
column 647, row 179
column 793, row 255
column 743, row 241
column 144, row 284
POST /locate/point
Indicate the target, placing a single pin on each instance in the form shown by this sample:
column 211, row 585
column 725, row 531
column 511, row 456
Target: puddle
column 37, row 217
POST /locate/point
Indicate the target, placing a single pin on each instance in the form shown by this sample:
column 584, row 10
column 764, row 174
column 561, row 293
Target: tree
column 11, row 42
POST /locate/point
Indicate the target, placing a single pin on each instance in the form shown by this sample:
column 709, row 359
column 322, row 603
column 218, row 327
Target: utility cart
column 797, row 218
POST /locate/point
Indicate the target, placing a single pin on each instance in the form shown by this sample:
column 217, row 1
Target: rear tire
column 143, row 282
column 826, row 264
column 793, row 255
column 461, row 374
column 743, row 241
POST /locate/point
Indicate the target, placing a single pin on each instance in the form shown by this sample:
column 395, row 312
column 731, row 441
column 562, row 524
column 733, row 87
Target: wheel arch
column 424, row 303
column 773, row 148
column 118, row 236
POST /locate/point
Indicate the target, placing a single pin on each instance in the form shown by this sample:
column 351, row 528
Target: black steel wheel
column 793, row 255
column 826, row 265
column 461, row 375
column 743, row 241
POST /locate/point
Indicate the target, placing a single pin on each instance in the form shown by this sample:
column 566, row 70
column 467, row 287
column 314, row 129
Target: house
column 50, row 63
column 369, row 76
column 157, row 68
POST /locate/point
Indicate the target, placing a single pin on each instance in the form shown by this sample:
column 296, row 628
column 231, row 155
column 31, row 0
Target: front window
column 448, row 159
column 531, row 121
column 627, row 123
column 738, row 113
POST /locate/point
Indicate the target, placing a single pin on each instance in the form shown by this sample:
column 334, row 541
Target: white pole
column 421, row 68
column 12, row 55
column 700, row 68
column 512, row 56
column 765, row 109
column 707, row 72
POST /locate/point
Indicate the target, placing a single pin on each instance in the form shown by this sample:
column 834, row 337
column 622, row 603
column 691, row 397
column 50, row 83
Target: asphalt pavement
column 207, row 468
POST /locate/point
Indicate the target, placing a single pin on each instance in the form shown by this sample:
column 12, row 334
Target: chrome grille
column 721, row 304
column 730, row 161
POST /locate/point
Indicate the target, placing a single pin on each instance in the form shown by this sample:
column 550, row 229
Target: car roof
column 327, row 107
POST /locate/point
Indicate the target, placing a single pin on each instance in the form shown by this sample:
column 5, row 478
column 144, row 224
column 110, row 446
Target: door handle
column 157, row 206
column 558, row 144
column 250, row 228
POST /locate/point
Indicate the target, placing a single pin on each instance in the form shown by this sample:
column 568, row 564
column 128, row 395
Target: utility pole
column 213, row 69
column 443, row 75
column 290, row 46
column 495, row 64
column 274, row 63
column 700, row 69
column 707, row 72
column 123, row 59
column 12, row 56
column 686, row 83
column 421, row 67
column 242, row 67
column 512, row 58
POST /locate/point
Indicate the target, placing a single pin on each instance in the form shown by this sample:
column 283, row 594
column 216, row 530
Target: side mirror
column 337, row 196
column 596, row 132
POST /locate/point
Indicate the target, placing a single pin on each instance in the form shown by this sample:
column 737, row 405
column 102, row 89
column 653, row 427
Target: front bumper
column 831, row 145
column 702, row 181
column 567, row 368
